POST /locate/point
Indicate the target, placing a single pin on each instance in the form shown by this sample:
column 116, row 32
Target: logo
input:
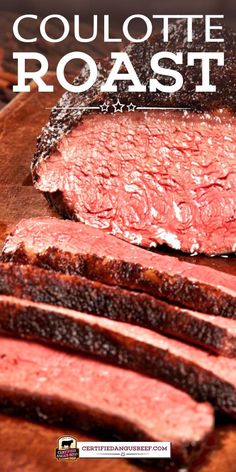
column 70, row 448
column 67, row 448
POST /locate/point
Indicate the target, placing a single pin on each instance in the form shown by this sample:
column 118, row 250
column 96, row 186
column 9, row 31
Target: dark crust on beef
column 90, row 418
column 61, row 122
column 32, row 323
column 115, row 303
column 56, row 411
column 175, row 289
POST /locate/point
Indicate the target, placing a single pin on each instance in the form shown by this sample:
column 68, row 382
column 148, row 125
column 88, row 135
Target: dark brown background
column 123, row 8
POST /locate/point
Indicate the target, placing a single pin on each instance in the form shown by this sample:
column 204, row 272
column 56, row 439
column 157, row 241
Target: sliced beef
column 149, row 177
column 217, row 334
column 57, row 386
column 75, row 248
column 203, row 376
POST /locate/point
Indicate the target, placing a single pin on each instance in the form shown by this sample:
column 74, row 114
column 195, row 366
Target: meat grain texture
column 149, row 177
column 203, row 376
column 58, row 386
column 74, row 248
column 214, row 333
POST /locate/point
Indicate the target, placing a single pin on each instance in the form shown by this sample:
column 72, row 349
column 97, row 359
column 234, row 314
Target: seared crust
column 103, row 425
column 91, row 416
column 56, row 411
column 30, row 322
column 174, row 289
column 63, row 120
column 78, row 293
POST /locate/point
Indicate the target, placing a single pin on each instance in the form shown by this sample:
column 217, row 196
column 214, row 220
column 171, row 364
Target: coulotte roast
column 132, row 334
column 203, row 376
column 58, row 386
column 74, row 248
column 174, row 169
column 215, row 334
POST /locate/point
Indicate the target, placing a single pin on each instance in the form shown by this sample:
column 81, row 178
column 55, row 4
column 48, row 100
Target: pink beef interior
column 222, row 368
column 151, row 177
column 39, row 234
column 148, row 403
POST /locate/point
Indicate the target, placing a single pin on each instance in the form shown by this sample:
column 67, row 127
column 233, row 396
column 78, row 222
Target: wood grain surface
column 26, row 446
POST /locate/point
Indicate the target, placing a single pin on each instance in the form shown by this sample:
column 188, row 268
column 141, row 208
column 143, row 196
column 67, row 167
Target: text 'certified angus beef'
column 154, row 176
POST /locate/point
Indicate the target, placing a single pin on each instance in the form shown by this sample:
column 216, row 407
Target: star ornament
column 118, row 106
column 131, row 107
column 104, row 107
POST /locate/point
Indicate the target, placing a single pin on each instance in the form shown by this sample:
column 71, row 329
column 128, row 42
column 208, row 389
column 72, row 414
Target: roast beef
column 217, row 334
column 75, row 248
column 57, row 386
column 203, row 376
column 149, row 177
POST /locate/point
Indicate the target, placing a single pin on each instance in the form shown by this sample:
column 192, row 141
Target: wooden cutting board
column 26, row 446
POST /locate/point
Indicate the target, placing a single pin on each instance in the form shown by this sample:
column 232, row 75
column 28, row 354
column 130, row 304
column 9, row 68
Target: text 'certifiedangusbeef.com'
column 124, row 449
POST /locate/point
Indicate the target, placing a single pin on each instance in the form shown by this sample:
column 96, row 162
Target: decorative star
column 131, row 107
column 118, row 106
column 104, row 107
